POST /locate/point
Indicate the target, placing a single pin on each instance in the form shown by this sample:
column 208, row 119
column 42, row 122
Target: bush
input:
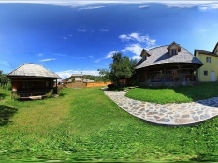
column 15, row 96
column 5, row 86
column 49, row 94
column 133, row 82
column 111, row 86
column 60, row 91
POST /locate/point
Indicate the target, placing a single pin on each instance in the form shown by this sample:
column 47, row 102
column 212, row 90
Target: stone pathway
column 170, row 114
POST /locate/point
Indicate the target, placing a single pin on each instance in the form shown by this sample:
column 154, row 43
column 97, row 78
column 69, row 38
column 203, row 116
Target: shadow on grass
column 2, row 95
column 205, row 158
column 6, row 113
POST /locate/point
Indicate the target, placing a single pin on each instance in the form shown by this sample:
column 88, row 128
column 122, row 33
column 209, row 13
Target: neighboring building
column 77, row 77
column 209, row 71
column 88, row 81
column 32, row 80
column 167, row 64
column 69, row 81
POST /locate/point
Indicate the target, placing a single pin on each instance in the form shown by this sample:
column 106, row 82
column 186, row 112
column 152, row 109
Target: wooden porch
column 168, row 75
column 26, row 89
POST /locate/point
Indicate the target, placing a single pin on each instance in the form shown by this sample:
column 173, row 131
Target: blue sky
column 69, row 37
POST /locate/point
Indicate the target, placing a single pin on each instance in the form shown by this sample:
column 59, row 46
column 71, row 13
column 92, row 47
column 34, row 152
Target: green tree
column 104, row 74
column 3, row 78
column 121, row 67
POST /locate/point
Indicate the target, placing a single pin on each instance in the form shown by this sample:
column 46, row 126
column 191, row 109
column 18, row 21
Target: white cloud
column 138, row 38
column 62, row 55
column 144, row 6
column 202, row 30
column 110, row 54
column 104, row 29
column 91, row 56
column 64, row 38
column 208, row 7
column 91, row 7
column 4, row 63
column 40, row 54
column 98, row 60
column 81, row 30
column 47, row 60
column 78, row 57
column 68, row 73
column 141, row 41
column 73, row 3
column 134, row 48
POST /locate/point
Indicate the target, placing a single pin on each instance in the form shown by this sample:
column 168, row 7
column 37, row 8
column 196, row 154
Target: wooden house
column 31, row 80
column 167, row 65
column 77, row 77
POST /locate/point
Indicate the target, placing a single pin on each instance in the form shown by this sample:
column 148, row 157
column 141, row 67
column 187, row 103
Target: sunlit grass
column 85, row 125
column 182, row 94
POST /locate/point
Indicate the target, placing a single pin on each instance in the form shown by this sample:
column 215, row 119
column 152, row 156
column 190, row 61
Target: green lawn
column 85, row 125
column 181, row 94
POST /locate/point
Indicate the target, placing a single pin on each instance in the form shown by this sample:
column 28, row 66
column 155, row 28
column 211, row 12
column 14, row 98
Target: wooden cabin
column 32, row 81
column 167, row 65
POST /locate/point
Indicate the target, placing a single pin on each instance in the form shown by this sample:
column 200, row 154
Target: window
column 174, row 72
column 26, row 85
column 205, row 73
column 144, row 57
column 173, row 51
column 47, row 84
column 208, row 59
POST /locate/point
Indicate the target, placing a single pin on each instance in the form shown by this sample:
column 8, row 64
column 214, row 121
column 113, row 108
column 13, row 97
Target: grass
column 181, row 94
column 85, row 125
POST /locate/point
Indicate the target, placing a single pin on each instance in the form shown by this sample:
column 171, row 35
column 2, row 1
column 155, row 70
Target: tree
column 121, row 67
column 104, row 74
column 3, row 78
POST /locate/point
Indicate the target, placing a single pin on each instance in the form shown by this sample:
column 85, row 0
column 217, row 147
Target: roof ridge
column 39, row 69
column 158, row 47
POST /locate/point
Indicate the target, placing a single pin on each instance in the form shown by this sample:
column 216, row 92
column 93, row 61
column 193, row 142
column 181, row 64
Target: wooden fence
column 87, row 85
column 97, row 84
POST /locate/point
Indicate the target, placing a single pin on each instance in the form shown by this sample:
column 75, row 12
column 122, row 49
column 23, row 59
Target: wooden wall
column 33, row 84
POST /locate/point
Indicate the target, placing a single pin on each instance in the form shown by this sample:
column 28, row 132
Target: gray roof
column 206, row 52
column 160, row 55
column 32, row 70
column 77, row 75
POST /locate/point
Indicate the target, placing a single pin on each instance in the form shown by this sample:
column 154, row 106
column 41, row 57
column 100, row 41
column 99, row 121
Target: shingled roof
column 160, row 55
column 32, row 70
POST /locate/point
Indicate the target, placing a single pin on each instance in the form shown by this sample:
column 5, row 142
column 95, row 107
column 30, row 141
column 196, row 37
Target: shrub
column 110, row 86
column 15, row 96
column 49, row 94
column 60, row 91
column 5, row 86
column 133, row 82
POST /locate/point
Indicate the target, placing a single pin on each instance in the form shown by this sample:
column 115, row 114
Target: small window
column 205, row 73
column 26, row 84
column 208, row 59
column 144, row 57
column 173, row 51
column 47, row 83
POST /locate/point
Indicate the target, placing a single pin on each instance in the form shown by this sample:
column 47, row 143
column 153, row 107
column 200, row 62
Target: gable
column 144, row 54
column 174, row 49
column 160, row 55
column 215, row 50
